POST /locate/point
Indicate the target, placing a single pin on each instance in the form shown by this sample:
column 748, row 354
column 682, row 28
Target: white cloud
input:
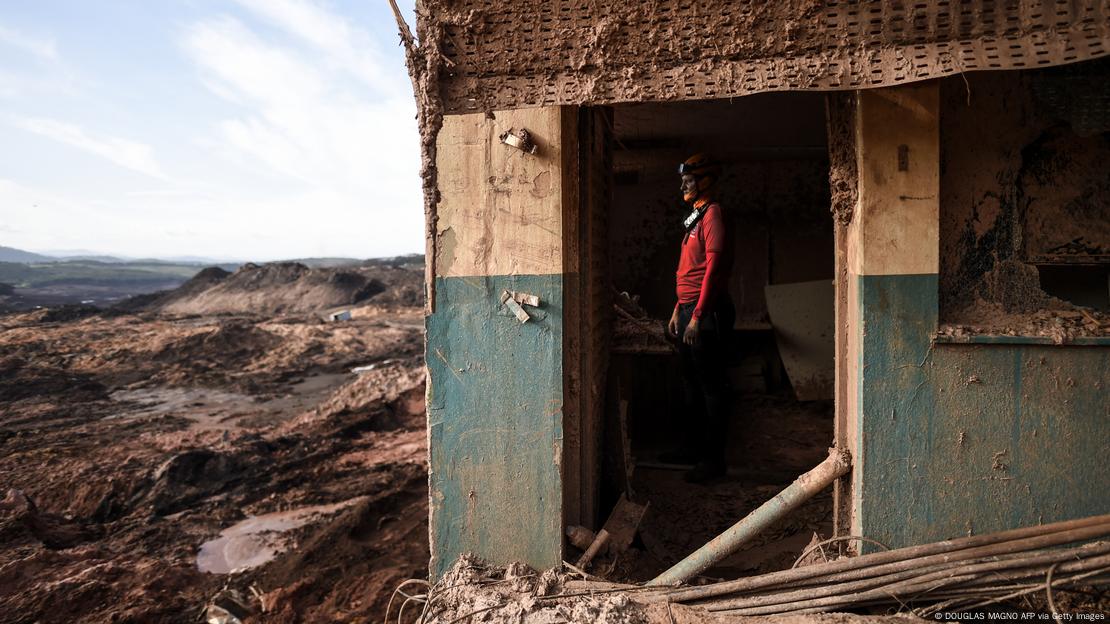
column 346, row 46
column 44, row 49
column 242, row 68
column 122, row 152
column 317, row 153
column 304, row 118
column 314, row 223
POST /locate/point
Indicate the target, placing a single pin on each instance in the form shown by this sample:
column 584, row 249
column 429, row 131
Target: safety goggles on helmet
column 698, row 167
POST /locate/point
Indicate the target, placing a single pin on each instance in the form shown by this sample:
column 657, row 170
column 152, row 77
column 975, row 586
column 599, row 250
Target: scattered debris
column 228, row 607
column 344, row 315
column 1059, row 321
column 369, row 367
column 634, row 331
column 836, row 465
column 509, row 302
column 623, row 523
column 959, row 574
column 580, row 537
column 599, row 542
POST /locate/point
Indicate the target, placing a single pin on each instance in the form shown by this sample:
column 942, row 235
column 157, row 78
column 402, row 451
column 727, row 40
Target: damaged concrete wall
column 1024, row 183
column 501, row 54
column 950, row 439
column 496, row 385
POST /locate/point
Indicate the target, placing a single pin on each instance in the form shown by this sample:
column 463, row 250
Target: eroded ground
column 130, row 445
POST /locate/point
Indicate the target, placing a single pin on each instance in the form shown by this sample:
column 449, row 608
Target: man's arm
column 710, row 285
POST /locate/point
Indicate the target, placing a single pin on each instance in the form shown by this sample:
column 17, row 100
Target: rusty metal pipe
column 836, row 465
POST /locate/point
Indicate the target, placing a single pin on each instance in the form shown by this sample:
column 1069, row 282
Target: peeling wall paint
column 1020, row 186
column 969, row 439
column 952, row 439
column 495, row 419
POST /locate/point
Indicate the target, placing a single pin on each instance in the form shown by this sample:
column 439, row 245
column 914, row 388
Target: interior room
column 775, row 193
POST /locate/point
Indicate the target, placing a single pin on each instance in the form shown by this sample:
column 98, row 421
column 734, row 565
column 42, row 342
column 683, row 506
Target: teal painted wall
column 971, row 438
column 495, row 422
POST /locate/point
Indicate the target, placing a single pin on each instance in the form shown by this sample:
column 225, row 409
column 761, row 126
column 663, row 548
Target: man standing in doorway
column 703, row 317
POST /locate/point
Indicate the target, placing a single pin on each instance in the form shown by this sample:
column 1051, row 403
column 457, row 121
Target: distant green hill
column 11, row 254
column 90, row 272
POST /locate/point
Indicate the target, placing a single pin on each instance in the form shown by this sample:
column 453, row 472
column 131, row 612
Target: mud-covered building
column 921, row 196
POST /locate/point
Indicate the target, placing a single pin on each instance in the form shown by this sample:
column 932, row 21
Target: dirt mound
column 232, row 344
column 69, row 312
column 345, row 566
column 397, row 387
column 249, row 355
column 202, row 281
column 518, row 593
column 206, row 278
column 277, row 288
column 134, row 442
column 20, row 520
column 285, row 288
column 472, row 590
column 21, row 380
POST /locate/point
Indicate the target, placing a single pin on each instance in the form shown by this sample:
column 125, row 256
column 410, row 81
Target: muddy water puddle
column 208, row 409
column 219, row 410
column 258, row 539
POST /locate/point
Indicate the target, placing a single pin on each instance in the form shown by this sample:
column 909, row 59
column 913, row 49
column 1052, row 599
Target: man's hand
column 672, row 326
column 691, row 335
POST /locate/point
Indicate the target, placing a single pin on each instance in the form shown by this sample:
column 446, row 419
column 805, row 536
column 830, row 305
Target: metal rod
column 1009, row 568
column 836, row 465
column 917, row 587
column 783, row 577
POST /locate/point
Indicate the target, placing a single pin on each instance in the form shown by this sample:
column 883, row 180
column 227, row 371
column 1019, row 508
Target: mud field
column 152, row 465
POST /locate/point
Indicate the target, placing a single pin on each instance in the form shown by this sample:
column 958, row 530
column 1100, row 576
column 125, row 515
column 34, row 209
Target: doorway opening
column 775, row 193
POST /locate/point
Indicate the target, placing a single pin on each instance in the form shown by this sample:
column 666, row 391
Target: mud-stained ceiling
column 499, row 55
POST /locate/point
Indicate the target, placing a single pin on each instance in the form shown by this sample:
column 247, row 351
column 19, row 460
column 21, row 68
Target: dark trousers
column 705, row 377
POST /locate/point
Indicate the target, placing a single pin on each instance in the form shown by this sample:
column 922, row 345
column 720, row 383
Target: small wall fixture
column 520, row 139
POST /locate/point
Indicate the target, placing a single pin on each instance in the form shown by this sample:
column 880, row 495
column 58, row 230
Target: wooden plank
column 623, row 523
column 803, row 317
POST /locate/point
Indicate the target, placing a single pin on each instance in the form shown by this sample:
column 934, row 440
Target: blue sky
column 238, row 129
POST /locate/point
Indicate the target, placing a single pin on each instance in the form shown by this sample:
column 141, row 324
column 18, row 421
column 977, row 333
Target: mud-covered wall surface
column 775, row 192
column 1025, row 201
column 496, row 401
column 951, row 439
column 501, row 54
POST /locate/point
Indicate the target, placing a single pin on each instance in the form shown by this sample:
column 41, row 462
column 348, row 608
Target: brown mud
column 517, row 593
column 282, row 288
column 127, row 442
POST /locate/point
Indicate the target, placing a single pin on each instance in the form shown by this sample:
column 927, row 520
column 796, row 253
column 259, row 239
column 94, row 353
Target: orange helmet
column 706, row 172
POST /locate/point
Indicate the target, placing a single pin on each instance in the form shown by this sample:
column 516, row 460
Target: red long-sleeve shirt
column 705, row 261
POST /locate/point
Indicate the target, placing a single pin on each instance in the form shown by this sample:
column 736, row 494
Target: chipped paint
column 495, row 411
column 1029, row 448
